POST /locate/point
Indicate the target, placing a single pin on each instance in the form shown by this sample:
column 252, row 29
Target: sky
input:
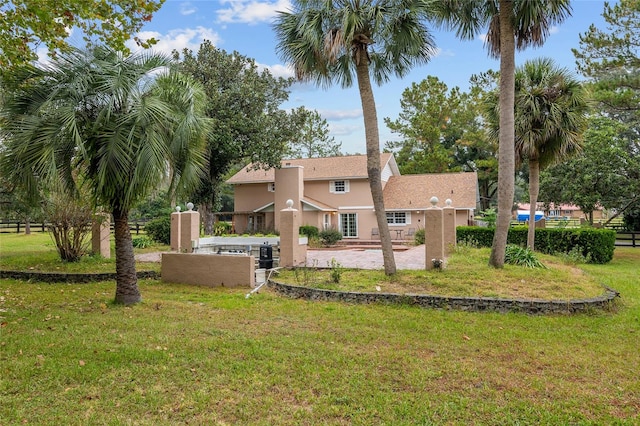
column 246, row 26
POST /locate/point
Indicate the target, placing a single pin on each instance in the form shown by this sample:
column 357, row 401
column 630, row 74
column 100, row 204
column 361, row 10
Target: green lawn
column 194, row 355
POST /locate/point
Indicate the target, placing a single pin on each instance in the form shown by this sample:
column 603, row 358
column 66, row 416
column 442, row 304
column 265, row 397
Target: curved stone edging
column 475, row 304
column 65, row 277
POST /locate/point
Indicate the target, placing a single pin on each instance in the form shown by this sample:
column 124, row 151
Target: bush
column 631, row 220
column 521, row 256
column 597, row 245
column 70, row 223
column 330, row 236
column 221, row 228
column 159, row 229
column 309, row 231
column 418, row 237
column 142, row 242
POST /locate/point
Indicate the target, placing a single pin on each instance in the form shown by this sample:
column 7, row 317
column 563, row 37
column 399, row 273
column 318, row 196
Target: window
column 339, row 186
column 397, row 218
column 349, row 224
column 271, row 187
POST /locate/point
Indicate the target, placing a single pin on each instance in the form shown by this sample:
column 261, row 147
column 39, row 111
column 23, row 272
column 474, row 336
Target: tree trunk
column 206, row 213
column 506, row 148
column 27, row 226
column 127, row 291
column 534, row 189
column 373, row 162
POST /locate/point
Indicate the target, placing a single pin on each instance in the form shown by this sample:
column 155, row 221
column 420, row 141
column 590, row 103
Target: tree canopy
column 106, row 122
column 610, row 57
column 27, row 24
column 313, row 139
column 605, row 174
column 248, row 124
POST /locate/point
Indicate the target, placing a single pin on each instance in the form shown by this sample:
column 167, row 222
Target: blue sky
column 246, row 26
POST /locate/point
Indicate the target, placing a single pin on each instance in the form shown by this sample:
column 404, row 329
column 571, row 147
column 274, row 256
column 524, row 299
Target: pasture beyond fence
column 9, row 227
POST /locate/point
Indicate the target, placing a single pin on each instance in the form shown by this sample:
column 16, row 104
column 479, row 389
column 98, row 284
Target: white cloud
column 251, row 11
column 178, row 39
column 187, row 8
column 554, row 29
column 277, row 70
column 337, row 114
column 343, row 129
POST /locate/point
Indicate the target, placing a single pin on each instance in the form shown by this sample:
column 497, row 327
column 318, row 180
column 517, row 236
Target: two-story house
column 335, row 192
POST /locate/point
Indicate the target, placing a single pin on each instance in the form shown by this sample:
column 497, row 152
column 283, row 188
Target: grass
column 201, row 356
column 37, row 252
column 466, row 274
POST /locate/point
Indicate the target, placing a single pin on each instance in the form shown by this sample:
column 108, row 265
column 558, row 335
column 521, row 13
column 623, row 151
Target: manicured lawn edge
column 65, row 277
column 472, row 304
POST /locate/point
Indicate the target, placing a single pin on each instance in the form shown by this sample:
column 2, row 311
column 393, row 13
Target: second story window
column 339, row 186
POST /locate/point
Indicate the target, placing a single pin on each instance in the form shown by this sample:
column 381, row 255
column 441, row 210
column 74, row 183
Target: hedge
column 597, row 245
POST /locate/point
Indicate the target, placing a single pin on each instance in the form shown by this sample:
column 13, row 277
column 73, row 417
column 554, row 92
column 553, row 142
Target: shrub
column 418, row 237
column 142, row 242
column 221, row 228
column 594, row 244
column 490, row 216
column 336, row 270
column 70, row 225
column 521, row 256
column 309, row 231
column 330, row 236
column 159, row 229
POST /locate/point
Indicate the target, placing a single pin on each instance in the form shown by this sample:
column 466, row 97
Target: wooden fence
column 17, row 227
column 627, row 239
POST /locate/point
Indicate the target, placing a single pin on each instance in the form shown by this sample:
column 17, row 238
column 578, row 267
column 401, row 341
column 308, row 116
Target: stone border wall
column 472, row 304
column 61, row 277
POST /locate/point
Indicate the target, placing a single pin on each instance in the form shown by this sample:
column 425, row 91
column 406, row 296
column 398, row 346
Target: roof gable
column 415, row 191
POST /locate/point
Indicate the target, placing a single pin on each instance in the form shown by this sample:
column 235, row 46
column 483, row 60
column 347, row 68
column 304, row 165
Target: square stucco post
column 189, row 230
column 449, row 227
column 175, row 230
column 100, row 235
column 433, row 234
column 292, row 253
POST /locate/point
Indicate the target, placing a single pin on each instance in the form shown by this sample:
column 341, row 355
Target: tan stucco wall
column 210, row 270
column 359, row 193
column 251, row 196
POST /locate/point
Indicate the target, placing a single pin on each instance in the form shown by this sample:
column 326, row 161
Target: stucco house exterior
column 334, row 192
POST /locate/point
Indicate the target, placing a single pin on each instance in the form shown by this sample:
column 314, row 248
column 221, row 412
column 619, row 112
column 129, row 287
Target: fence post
column 18, row 227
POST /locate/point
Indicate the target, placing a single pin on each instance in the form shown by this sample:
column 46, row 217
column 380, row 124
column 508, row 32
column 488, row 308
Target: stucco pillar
column 292, row 253
column 433, row 234
column 175, row 230
column 100, row 235
column 189, row 229
column 289, row 182
column 449, row 227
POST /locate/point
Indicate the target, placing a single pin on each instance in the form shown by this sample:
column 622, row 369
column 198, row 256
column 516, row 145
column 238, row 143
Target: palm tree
column 330, row 41
column 110, row 123
column 511, row 24
column 550, row 116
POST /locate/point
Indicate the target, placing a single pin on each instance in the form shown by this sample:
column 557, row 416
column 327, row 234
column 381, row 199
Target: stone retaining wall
column 446, row 302
column 61, row 277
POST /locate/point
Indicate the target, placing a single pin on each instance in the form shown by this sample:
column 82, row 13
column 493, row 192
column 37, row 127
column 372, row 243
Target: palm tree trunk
column 534, row 189
column 127, row 291
column 373, row 162
column 506, row 147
